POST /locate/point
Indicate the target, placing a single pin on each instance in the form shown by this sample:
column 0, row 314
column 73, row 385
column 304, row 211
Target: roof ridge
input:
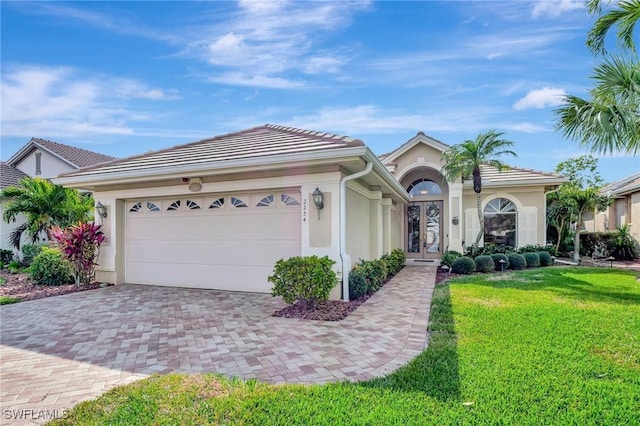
column 324, row 135
column 47, row 141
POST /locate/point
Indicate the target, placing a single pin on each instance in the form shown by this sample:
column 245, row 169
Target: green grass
column 5, row 300
column 542, row 346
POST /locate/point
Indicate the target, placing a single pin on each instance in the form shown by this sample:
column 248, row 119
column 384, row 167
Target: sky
column 123, row 78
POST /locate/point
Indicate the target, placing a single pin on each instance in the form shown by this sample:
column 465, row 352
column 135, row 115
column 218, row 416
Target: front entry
column 424, row 230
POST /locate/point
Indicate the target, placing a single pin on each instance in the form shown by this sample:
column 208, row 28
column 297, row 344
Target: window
column 237, row 202
column 500, row 217
column 152, row 207
column 174, row 206
column 136, row 207
column 217, row 204
column 192, row 205
column 288, row 200
column 38, row 163
column 266, row 201
column 424, row 187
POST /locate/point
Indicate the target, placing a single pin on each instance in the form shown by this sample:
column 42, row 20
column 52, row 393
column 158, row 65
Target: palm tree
column 464, row 160
column 610, row 120
column 580, row 201
column 44, row 205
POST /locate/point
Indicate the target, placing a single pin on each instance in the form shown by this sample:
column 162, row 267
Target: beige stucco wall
column 531, row 205
column 51, row 166
column 634, row 218
column 318, row 236
column 420, row 155
column 358, row 226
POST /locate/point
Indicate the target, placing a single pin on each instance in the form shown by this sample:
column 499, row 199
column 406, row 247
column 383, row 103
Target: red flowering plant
column 80, row 245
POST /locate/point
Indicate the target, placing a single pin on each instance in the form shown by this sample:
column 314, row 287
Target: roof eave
column 18, row 156
column 91, row 180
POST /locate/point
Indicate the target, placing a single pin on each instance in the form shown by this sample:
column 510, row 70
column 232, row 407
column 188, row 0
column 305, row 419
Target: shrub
column 448, row 257
column 517, row 261
column 490, row 249
column 30, row 251
column 535, row 248
column 51, row 268
column 484, row 263
column 6, row 256
column 376, row 272
column 358, row 283
column 497, row 257
column 13, row 267
column 533, row 260
column 622, row 245
column 396, row 260
column 545, row 258
column 80, row 245
column 463, row 265
column 309, row 279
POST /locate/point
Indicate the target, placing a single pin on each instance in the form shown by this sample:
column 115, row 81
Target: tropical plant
column 623, row 246
column 465, row 160
column 80, row 245
column 579, row 202
column 44, row 205
column 608, row 120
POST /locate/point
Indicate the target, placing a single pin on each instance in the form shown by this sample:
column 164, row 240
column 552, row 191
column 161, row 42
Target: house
column 218, row 213
column 45, row 159
column 625, row 209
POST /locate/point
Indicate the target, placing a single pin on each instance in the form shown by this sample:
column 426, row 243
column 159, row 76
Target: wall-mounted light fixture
column 318, row 200
column 102, row 210
column 455, row 220
column 195, row 184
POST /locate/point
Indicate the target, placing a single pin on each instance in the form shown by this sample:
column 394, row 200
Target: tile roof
column 623, row 186
column 517, row 175
column 261, row 141
column 9, row 175
column 76, row 156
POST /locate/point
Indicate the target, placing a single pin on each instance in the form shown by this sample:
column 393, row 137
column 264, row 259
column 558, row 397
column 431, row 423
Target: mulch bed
column 21, row 286
column 442, row 276
column 331, row 310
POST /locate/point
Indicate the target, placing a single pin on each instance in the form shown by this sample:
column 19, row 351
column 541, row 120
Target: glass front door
column 424, row 231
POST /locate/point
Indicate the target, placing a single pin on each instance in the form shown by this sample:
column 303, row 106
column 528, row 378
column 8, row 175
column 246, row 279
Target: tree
column 581, row 171
column 44, row 205
column 610, row 120
column 580, row 201
column 464, row 161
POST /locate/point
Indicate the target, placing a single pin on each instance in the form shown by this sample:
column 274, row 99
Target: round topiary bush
column 497, row 257
column 517, row 261
column 448, row 257
column 463, row 265
column 533, row 260
column 49, row 267
column 545, row 258
column 484, row 263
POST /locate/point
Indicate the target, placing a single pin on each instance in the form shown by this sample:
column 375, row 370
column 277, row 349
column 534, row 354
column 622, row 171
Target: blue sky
column 123, row 78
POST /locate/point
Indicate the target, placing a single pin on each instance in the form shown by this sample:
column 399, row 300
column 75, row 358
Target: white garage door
column 227, row 242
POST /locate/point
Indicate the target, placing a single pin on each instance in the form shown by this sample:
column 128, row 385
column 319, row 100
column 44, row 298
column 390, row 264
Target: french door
column 424, row 230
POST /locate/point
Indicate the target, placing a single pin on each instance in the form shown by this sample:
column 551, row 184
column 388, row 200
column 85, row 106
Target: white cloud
column 271, row 41
column 555, row 8
column 540, row 98
column 61, row 101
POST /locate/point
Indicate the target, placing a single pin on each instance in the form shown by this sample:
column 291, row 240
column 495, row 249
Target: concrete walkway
column 58, row 351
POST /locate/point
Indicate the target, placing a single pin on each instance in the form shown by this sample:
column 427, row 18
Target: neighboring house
column 220, row 212
column 625, row 209
column 45, row 159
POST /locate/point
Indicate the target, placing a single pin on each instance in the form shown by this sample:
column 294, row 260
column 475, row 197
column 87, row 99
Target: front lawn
column 541, row 346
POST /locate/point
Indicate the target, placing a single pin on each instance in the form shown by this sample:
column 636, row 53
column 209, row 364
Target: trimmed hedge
column 51, row 268
column 517, row 261
column 448, row 257
column 484, row 263
column 545, row 258
column 497, row 257
column 533, row 260
column 369, row 276
column 309, row 279
column 463, row 265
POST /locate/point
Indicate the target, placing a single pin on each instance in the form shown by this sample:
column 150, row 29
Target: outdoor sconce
column 318, row 200
column 455, row 220
column 102, row 210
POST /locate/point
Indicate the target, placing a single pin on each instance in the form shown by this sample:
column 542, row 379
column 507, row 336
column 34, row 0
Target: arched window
column 500, row 217
column 424, row 187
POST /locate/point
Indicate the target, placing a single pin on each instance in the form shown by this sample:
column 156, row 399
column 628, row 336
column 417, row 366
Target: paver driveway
column 58, row 351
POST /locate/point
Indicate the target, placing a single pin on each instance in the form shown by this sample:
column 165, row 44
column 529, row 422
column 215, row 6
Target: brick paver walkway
column 58, row 351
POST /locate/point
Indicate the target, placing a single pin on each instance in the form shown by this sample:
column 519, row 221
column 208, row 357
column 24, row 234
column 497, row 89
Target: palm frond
column 624, row 17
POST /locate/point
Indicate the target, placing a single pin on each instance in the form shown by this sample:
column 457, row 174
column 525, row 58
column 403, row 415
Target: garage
column 216, row 241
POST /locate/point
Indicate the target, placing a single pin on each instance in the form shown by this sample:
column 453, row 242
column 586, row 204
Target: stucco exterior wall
column 531, row 219
column 634, row 217
column 358, row 226
column 50, row 166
